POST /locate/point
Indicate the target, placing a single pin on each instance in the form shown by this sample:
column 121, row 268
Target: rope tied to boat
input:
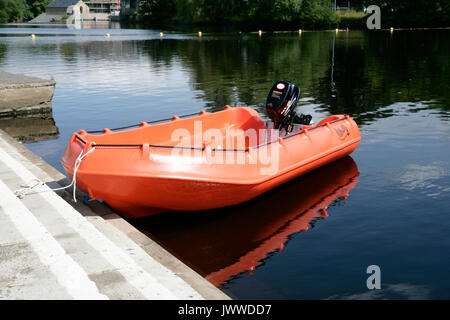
column 27, row 189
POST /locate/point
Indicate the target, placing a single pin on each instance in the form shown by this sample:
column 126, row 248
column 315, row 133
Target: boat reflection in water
column 222, row 243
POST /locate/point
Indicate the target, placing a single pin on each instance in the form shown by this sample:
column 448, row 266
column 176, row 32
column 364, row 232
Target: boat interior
column 233, row 128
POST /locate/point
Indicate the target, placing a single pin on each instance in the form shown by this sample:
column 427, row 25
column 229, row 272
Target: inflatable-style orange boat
column 202, row 162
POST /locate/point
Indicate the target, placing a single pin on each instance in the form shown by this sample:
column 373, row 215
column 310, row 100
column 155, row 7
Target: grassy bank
column 351, row 19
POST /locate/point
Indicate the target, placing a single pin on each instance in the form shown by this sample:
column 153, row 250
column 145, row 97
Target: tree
column 275, row 10
column 317, row 13
column 11, row 10
column 155, row 10
column 36, row 7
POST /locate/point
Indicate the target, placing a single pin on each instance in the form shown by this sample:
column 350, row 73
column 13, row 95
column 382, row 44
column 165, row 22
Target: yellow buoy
column 392, row 29
column 199, row 33
column 299, row 31
column 337, row 30
column 33, row 36
column 260, row 32
column 161, row 34
column 108, row 35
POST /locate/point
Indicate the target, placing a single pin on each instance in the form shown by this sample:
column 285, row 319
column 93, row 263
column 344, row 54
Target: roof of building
column 62, row 3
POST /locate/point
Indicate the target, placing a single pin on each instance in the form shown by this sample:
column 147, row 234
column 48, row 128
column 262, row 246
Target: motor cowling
column 281, row 103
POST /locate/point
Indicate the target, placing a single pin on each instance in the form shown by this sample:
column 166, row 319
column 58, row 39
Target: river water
column 314, row 237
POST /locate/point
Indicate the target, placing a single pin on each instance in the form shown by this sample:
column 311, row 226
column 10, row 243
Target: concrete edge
column 153, row 249
column 44, row 83
column 40, row 110
column 35, row 159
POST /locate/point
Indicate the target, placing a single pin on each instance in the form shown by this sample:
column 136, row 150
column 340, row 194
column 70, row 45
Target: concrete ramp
column 50, row 250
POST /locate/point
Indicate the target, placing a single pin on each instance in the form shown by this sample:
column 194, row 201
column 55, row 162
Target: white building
column 71, row 11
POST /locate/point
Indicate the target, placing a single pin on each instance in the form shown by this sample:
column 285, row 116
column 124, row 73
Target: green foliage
column 21, row 10
column 211, row 11
column 301, row 13
column 275, row 10
column 269, row 12
column 12, row 10
column 151, row 11
column 36, row 7
column 349, row 14
column 350, row 19
column 316, row 13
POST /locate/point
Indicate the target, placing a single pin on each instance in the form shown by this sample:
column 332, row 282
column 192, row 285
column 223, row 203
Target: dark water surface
column 314, row 237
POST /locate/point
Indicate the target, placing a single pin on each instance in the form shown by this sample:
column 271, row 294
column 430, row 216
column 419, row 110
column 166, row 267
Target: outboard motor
column 281, row 103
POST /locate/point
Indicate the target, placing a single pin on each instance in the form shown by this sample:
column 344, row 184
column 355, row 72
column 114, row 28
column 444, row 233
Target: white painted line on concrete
column 133, row 273
column 69, row 274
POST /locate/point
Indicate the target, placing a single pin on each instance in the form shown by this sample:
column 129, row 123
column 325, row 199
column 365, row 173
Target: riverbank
column 54, row 248
column 355, row 20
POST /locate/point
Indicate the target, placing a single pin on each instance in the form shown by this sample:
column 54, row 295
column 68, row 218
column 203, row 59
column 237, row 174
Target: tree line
column 317, row 13
column 264, row 14
column 299, row 13
column 21, row 10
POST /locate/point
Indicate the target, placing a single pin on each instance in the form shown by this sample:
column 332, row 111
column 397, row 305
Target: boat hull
column 142, row 180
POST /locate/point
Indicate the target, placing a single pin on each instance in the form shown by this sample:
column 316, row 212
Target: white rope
column 36, row 183
column 26, row 188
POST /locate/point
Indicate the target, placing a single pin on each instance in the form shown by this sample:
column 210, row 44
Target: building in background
column 71, row 11
column 104, row 7
column 63, row 10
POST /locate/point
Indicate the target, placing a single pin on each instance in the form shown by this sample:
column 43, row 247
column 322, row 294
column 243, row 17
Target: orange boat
column 202, row 162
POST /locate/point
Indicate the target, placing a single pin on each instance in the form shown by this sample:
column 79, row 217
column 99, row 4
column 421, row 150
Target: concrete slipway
column 53, row 248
